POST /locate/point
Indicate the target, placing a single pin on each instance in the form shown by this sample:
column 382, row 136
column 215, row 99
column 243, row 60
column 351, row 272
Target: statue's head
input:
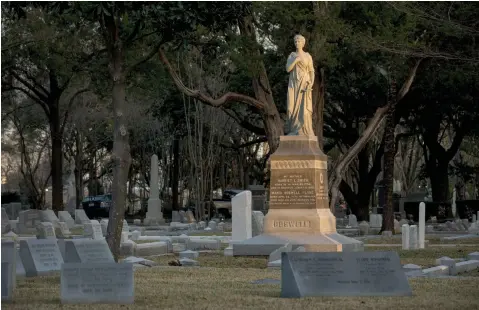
column 299, row 41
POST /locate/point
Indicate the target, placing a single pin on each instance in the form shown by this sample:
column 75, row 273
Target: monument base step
column 320, row 242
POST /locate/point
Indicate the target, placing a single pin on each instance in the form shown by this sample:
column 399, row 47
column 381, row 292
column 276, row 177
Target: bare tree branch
column 226, row 98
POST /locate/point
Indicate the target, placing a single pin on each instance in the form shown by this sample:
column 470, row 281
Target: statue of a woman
column 300, row 101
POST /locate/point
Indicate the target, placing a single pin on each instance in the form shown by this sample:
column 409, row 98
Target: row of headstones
column 29, row 219
column 375, row 222
column 446, row 266
column 88, row 270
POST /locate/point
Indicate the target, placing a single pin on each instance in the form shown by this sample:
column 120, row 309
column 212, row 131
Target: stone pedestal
column 299, row 211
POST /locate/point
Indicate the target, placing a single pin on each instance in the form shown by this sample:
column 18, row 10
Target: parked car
column 221, row 207
column 97, row 206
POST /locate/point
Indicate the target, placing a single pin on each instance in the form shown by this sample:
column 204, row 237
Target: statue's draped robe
column 300, row 101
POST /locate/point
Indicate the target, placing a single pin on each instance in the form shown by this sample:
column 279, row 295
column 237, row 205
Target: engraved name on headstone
column 40, row 256
column 87, row 251
column 97, row 283
column 306, row 274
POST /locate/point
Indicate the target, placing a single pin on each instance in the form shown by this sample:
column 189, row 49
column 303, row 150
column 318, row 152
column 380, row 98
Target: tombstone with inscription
column 87, row 251
column 342, row 274
column 40, row 256
column 97, row 283
column 27, row 221
column 299, row 211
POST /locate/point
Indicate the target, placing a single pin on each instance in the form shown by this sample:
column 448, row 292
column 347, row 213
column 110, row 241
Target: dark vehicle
column 221, row 207
column 97, row 206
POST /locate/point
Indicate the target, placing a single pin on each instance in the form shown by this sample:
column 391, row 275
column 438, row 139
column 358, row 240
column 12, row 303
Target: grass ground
column 425, row 258
column 231, row 288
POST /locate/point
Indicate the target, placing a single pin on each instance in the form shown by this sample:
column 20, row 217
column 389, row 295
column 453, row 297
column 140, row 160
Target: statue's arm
column 291, row 62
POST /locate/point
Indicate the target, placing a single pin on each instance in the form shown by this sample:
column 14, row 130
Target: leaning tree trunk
column 388, row 174
column 373, row 125
column 121, row 148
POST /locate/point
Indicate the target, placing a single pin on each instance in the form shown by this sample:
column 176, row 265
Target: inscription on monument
column 292, row 189
column 298, row 189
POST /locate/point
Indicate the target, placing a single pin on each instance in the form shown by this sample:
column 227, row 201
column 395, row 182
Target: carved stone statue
column 300, row 101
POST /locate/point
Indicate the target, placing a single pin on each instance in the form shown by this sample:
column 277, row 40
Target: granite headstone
column 308, row 274
column 97, row 283
column 87, row 251
column 40, row 256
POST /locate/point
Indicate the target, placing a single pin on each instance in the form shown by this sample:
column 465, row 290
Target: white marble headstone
column 241, row 216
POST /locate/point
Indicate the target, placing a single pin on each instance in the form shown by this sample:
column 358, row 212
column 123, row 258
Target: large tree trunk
column 121, row 148
column 57, row 158
column 439, row 176
column 388, row 174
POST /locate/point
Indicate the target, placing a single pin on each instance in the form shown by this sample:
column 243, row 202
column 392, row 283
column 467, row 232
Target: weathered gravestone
column 40, row 256
column 87, row 251
column 9, row 256
column 49, row 216
column 97, row 283
column 257, row 219
column 307, row 274
column 80, row 217
column 45, row 230
column 7, row 282
column 27, row 221
column 92, row 230
column 64, row 216
column 5, row 222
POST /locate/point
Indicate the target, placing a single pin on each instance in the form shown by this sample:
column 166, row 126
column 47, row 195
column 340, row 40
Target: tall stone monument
column 154, row 216
column 299, row 211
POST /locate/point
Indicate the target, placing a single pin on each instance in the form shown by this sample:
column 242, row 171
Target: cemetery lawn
column 217, row 288
column 425, row 258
